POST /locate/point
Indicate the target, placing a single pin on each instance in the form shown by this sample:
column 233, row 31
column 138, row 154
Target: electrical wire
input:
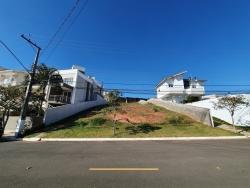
column 61, row 25
column 152, row 91
column 151, row 84
column 16, row 58
column 141, row 84
column 66, row 31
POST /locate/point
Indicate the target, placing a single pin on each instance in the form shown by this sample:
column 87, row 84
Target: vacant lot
column 132, row 120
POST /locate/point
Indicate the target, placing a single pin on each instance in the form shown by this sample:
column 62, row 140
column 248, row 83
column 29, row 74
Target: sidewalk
column 9, row 132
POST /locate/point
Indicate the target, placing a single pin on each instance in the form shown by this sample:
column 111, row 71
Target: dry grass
column 138, row 114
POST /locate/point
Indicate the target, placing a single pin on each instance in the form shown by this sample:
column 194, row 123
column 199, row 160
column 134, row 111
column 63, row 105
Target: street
column 217, row 163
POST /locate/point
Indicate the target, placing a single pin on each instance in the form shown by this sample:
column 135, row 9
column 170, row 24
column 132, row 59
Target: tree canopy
column 10, row 100
column 231, row 104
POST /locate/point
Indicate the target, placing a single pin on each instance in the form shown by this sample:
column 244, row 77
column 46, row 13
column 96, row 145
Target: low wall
column 53, row 115
column 199, row 114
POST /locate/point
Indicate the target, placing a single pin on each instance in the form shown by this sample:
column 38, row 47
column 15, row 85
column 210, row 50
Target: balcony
column 59, row 99
column 195, row 91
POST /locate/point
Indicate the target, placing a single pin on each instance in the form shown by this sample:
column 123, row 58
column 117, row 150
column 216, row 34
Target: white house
column 79, row 92
column 176, row 88
column 77, row 87
column 11, row 77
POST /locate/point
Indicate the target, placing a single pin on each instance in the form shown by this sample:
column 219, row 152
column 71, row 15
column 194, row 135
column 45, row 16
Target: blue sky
column 136, row 41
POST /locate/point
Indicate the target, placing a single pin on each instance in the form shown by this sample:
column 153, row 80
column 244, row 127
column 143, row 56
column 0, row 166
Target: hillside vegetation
column 133, row 120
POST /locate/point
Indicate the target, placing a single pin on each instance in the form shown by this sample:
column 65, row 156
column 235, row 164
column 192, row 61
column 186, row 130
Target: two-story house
column 176, row 88
column 78, row 92
column 77, row 87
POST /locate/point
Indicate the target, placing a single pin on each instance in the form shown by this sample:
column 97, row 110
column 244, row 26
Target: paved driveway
column 11, row 126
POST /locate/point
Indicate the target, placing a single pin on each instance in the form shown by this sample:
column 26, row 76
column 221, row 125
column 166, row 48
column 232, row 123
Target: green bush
column 82, row 124
column 97, row 121
column 155, row 109
column 175, row 120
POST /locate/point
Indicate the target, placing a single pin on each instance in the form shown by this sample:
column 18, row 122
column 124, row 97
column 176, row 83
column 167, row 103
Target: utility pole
column 21, row 121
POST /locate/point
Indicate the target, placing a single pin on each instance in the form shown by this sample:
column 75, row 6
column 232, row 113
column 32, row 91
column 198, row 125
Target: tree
column 231, row 104
column 10, row 100
column 44, row 76
column 113, row 100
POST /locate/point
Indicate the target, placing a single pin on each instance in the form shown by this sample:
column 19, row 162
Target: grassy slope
column 98, row 123
column 218, row 122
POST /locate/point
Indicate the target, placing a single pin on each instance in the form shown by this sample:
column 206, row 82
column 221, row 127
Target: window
column 170, row 85
column 193, row 86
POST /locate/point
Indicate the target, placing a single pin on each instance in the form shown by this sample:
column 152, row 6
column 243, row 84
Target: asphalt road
column 181, row 164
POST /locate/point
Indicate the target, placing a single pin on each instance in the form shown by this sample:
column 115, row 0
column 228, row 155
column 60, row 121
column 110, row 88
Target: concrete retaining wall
column 53, row 115
column 199, row 114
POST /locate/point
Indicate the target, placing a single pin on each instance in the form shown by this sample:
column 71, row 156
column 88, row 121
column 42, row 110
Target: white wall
column 197, row 90
column 242, row 116
column 53, row 115
column 80, row 89
column 79, row 84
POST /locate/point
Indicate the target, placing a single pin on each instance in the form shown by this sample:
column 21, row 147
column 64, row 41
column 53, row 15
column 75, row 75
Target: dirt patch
column 137, row 113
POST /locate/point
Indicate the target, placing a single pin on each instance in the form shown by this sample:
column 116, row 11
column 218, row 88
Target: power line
column 218, row 85
column 153, row 92
column 88, row 44
column 62, row 24
column 140, row 84
column 151, row 84
column 16, row 58
column 68, row 28
column 207, row 92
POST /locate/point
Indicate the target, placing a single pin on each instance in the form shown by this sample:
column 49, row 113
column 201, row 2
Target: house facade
column 79, row 92
column 77, row 87
column 176, row 88
column 11, row 77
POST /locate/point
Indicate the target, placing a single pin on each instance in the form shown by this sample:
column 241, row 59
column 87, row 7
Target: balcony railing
column 181, row 91
column 61, row 99
column 195, row 91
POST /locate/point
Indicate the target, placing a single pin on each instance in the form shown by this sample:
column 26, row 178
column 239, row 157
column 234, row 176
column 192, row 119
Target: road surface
column 222, row 163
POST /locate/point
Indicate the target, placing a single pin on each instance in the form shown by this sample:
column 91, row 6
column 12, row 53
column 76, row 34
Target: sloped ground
column 136, row 114
column 132, row 120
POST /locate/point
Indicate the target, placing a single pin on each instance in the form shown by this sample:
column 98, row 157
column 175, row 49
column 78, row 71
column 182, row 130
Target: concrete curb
column 131, row 139
column 34, row 139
